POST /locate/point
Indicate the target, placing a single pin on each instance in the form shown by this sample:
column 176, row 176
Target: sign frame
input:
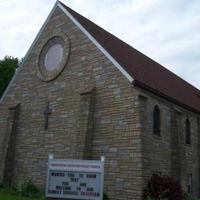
column 68, row 165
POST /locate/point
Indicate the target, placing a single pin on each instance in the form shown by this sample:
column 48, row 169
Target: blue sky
column 168, row 31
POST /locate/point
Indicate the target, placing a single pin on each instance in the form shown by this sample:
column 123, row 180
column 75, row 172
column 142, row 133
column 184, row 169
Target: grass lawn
column 7, row 196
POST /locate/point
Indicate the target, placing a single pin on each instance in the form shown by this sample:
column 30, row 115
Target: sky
column 168, row 31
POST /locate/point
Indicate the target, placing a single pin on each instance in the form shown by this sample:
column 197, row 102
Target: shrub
column 190, row 197
column 10, row 190
column 163, row 188
column 105, row 196
column 149, row 198
column 28, row 189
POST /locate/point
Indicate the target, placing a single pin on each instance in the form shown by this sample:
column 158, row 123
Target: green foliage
column 7, row 69
column 105, row 196
column 163, row 188
column 7, row 196
column 148, row 198
column 11, row 193
column 10, row 190
column 190, row 197
column 28, row 189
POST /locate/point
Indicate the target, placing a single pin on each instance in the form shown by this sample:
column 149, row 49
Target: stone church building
column 81, row 93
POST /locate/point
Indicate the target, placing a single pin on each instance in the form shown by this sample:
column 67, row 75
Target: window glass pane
column 53, row 57
column 156, row 120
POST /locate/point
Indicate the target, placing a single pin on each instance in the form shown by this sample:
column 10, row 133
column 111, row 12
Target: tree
column 8, row 67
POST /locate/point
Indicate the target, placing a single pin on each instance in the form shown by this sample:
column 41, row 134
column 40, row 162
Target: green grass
column 4, row 195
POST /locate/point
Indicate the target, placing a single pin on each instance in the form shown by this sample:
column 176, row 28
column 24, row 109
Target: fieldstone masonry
column 95, row 111
column 168, row 154
column 104, row 115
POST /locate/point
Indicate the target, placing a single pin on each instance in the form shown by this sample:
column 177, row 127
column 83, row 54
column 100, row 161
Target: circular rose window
column 53, row 58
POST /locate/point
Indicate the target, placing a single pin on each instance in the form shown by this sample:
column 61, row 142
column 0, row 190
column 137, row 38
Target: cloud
column 19, row 23
column 166, row 31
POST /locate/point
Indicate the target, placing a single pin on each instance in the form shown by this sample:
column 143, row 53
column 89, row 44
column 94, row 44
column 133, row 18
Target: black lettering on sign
column 83, row 184
column 74, row 179
column 58, row 187
column 90, row 194
column 78, row 188
column 70, row 192
column 90, row 189
column 91, row 175
column 71, row 175
column 81, row 175
column 54, row 192
column 83, row 193
column 67, row 188
column 65, row 183
column 60, row 174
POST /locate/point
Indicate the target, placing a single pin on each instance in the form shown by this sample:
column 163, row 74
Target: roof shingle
column 146, row 73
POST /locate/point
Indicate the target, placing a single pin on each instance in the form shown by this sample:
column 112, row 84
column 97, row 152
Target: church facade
column 81, row 93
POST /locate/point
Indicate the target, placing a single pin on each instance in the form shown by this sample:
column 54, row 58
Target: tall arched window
column 156, row 120
column 187, row 132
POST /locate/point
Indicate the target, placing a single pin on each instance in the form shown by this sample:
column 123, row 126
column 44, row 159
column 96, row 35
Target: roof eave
column 141, row 85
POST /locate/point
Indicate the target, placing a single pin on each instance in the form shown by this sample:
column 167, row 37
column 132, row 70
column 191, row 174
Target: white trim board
column 57, row 4
column 120, row 68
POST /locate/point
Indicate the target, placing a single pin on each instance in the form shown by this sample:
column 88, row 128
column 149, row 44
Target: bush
column 28, row 189
column 149, row 198
column 105, row 196
column 10, row 190
column 163, row 188
column 189, row 197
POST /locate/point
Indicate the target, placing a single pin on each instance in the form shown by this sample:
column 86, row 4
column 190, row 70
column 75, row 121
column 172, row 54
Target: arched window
column 187, row 132
column 156, row 120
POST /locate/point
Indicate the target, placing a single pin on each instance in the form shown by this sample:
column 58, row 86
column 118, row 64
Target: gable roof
column 145, row 72
column 139, row 69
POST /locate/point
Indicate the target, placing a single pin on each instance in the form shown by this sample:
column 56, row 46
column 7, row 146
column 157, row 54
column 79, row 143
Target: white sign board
column 75, row 179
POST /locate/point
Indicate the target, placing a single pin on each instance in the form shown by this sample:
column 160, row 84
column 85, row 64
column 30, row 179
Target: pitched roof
column 146, row 73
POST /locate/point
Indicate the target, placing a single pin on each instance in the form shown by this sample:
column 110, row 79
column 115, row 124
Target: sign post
column 75, row 179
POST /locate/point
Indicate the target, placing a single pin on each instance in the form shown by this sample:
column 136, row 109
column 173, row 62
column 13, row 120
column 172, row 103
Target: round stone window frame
column 57, row 38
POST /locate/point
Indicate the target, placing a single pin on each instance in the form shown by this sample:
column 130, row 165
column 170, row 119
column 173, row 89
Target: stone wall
column 115, row 129
column 114, row 121
column 168, row 154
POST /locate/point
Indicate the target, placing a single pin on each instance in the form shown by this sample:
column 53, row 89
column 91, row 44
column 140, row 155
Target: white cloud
column 167, row 31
